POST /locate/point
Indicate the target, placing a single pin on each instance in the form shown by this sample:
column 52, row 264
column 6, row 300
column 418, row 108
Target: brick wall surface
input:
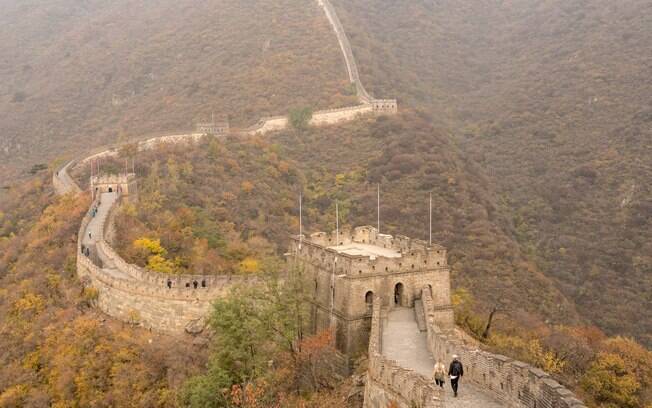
column 514, row 383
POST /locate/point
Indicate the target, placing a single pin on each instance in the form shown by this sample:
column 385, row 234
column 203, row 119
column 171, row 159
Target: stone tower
column 125, row 184
column 343, row 278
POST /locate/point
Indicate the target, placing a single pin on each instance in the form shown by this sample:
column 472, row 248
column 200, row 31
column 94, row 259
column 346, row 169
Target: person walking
column 439, row 372
column 455, row 371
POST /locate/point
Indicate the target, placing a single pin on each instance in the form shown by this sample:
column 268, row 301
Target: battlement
column 384, row 106
column 113, row 178
column 123, row 183
column 514, row 383
column 170, row 303
column 213, row 128
column 364, row 251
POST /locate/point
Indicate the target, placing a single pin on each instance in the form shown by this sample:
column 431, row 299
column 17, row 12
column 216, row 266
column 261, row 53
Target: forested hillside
column 228, row 206
column 551, row 101
column 77, row 75
column 57, row 350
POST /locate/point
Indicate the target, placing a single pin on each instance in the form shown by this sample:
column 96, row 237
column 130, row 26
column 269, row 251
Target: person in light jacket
column 438, row 373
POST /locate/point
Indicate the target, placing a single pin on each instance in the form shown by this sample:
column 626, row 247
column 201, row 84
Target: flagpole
column 430, row 221
column 337, row 224
column 378, row 210
column 300, row 221
column 92, row 189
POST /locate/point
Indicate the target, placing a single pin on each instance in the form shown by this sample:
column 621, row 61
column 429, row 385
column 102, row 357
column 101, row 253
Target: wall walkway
column 401, row 358
column 62, row 182
column 408, row 346
column 167, row 303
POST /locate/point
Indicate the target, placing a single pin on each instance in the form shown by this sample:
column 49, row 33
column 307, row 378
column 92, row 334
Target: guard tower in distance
column 124, row 184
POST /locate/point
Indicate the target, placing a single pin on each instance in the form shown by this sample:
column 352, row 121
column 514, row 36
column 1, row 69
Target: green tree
column 300, row 117
column 257, row 329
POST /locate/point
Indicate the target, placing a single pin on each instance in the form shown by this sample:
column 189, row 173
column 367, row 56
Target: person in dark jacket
column 455, row 371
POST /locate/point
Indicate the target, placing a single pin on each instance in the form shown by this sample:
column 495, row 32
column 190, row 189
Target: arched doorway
column 369, row 298
column 398, row 294
column 110, row 189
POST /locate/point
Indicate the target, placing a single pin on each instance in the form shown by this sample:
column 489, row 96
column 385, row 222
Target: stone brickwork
column 384, row 106
column 344, row 284
column 212, row 128
column 125, row 184
column 334, row 116
column 168, row 303
column 514, row 383
column 387, row 382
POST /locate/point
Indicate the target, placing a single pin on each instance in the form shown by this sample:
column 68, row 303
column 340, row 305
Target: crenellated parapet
column 514, row 383
column 388, row 382
column 168, row 303
column 364, row 251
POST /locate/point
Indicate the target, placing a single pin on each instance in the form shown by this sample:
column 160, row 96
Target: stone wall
column 514, row 383
column 268, row 124
column 387, row 382
column 168, row 303
column 347, row 51
column 62, row 182
column 333, row 116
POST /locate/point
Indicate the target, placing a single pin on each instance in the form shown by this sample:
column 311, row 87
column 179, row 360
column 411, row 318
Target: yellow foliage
column 90, row 294
column 249, row 265
column 530, row 351
column 153, row 246
column 609, row 381
column 159, row 264
column 29, row 303
column 31, row 360
column 13, row 396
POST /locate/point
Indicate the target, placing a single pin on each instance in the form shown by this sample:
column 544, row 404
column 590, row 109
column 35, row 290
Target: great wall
column 386, row 296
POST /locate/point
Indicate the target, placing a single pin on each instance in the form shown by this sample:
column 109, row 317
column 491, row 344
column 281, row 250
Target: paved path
column 404, row 343
column 106, row 202
column 66, row 183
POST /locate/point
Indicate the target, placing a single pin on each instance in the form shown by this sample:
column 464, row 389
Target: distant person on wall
column 439, row 373
column 455, row 371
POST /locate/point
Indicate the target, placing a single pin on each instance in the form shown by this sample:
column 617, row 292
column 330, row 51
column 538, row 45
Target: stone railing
column 514, row 383
column 387, row 382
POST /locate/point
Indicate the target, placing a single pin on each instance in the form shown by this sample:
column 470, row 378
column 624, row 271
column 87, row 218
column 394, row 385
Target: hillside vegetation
column 57, row 350
column 79, row 75
column 218, row 207
column 551, row 102
column 239, row 219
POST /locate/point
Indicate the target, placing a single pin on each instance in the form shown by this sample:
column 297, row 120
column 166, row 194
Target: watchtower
column 124, row 183
column 213, row 128
column 345, row 270
column 384, row 106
